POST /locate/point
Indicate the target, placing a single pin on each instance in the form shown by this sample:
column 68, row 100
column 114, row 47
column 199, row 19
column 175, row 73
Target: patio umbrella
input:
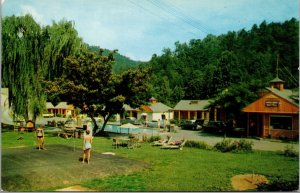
column 129, row 126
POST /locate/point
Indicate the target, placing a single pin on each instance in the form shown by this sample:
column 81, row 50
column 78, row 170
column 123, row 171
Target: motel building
column 275, row 114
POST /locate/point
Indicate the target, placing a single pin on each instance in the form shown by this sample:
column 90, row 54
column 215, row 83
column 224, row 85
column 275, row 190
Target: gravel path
column 262, row 144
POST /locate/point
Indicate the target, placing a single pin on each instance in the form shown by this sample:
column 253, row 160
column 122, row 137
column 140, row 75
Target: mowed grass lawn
column 146, row 168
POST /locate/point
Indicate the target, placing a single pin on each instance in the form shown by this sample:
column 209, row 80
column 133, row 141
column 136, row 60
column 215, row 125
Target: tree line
column 228, row 68
column 52, row 63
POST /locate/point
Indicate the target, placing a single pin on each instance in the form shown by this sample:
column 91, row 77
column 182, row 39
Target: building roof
column 155, row 108
column 61, row 105
column 276, row 80
column 285, row 94
column 159, row 107
column 129, row 108
column 49, row 105
column 287, row 105
column 192, row 105
column 146, row 109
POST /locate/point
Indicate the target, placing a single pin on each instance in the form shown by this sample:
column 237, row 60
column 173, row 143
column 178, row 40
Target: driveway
column 258, row 144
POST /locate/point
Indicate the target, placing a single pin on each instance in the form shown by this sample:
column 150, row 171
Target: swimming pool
column 118, row 129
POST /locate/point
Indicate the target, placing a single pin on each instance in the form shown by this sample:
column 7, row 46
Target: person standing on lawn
column 87, row 146
column 40, row 137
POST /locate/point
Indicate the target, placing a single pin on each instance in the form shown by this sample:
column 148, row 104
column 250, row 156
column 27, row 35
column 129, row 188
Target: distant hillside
column 202, row 69
column 122, row 62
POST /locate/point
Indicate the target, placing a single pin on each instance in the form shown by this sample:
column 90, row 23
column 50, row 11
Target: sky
column 141, row 28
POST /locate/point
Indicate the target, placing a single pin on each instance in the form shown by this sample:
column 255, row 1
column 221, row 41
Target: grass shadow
column 28, row 169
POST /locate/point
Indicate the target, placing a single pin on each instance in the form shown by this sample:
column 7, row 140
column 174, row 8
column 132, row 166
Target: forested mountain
column 122, row 63
column 242, row 61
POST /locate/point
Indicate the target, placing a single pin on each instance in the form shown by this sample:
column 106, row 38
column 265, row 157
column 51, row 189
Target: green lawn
column 190, row 169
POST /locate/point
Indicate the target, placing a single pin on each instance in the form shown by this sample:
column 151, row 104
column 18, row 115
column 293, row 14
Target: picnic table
column 67, row 132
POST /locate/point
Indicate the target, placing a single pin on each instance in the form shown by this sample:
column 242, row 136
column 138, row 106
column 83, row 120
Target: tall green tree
column 22, row 66
column 61, row 40
column 235, row 97
column 88, row 83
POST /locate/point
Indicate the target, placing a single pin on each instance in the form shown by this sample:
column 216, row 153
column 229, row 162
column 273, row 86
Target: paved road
column 263, row 144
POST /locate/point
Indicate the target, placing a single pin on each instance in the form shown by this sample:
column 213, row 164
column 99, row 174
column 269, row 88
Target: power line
column 194, row 22
column 159, row 15
column 289, row 73
column 175, row 12
column 289, row 77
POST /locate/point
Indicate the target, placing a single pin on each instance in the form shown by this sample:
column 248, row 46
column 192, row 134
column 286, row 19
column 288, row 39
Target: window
column 281, row 122
column 272, row 104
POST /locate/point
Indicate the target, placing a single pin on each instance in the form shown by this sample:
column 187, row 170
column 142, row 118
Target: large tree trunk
column 95, row 124
column 102, row 132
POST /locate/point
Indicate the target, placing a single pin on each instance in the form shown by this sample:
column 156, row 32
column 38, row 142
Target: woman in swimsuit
column 40, row 137
column 87, row 146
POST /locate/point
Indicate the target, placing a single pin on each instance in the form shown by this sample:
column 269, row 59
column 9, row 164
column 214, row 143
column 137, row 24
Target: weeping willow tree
column 32, row 54
column 22, row 67
column 62, row 41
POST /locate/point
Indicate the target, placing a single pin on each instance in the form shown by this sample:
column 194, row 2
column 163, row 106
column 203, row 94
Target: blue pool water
column 118, row 129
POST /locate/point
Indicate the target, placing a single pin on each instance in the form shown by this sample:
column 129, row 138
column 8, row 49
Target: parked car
column 192, row 124
column 215, row 127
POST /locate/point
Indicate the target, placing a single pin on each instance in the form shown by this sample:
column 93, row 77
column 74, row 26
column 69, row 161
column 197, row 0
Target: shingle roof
column 146, row 108
column 285, row 94
column 49, row 105
column 192, row 105
column 276, row 80
column 153, row 108
column 61, row 105
column 159, row 107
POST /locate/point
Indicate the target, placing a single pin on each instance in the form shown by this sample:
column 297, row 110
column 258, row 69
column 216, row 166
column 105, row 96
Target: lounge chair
column 159, row 142
column 162, row 142
column 170, row 146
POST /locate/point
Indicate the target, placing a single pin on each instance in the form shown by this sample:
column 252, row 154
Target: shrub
column 278, row 184
column 289, row 151
column 173, row 121
column 236, row 146
column 223, row 146
column 197, row 144
column 242, row 146
column 283, row 138
column 154, row 138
